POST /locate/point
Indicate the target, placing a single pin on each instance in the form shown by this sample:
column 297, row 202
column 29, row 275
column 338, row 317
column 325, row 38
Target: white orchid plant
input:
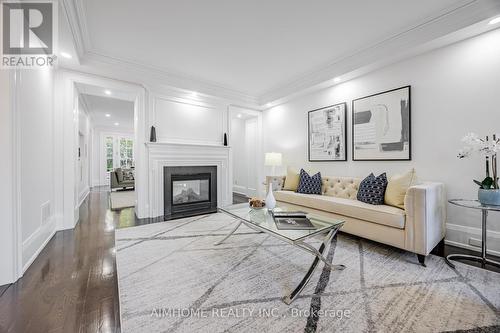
column 489, row 150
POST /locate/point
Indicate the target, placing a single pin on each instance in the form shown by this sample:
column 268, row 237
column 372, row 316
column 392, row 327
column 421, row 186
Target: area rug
column 122, row 199
column 173, row 279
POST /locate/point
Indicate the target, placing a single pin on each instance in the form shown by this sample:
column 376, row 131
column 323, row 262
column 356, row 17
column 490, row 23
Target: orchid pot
column 489, row 197
column 489, row 191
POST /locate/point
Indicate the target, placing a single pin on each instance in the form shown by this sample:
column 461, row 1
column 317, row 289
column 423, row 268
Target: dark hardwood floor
column 72, row 285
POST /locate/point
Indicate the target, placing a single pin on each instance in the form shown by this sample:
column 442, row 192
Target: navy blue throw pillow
column 372, row 189
column 309, row 184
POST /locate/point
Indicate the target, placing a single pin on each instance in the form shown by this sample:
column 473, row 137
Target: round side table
column 474, row 204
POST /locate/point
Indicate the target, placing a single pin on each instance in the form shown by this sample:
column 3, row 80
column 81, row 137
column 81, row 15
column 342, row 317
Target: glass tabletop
column 475, row 204
column 263, row 220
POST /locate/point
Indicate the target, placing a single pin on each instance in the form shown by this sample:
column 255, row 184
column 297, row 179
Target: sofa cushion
column 128, row 174
column 340, row 187
column 380, row 214
column 397, row 187
column 372, row 189
column 291, row 180
column 309, row 184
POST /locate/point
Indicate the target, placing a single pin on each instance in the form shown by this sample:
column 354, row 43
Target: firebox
column 189, row 191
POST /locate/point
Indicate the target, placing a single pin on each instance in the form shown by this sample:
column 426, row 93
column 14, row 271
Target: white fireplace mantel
column 162, row 154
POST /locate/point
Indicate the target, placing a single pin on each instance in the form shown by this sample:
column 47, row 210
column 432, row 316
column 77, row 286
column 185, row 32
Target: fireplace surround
column 189, row 191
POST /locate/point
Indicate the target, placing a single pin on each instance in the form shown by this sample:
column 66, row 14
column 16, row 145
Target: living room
column 252, row 166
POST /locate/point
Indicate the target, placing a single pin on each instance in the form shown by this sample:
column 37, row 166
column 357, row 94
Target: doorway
column 117, row 151
column 111, row 123
column 246, row 144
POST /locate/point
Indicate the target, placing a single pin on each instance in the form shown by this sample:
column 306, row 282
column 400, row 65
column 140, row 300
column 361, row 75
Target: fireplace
column 189, row 190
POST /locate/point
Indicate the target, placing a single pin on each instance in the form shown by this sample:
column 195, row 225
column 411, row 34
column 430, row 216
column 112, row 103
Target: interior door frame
column 250, row 190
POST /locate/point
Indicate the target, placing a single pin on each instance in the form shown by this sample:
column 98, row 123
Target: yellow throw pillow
column 397, row 186
column 291, row 180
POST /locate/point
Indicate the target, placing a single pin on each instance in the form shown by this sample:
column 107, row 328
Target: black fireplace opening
column 189, row 191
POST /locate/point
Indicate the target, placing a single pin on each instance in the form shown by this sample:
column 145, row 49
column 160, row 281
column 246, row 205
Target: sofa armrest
column 114, row 180
column 425, row 207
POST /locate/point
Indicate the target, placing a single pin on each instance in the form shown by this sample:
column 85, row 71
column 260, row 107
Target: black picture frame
column 403, row 134
column 344, row 129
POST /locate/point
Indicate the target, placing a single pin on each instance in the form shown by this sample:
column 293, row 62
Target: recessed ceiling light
column 337, row 79
column 495, row 20
column 117, row 124
column 238, row 115
column 66, row 55
column 107, row 92
column 107, row 115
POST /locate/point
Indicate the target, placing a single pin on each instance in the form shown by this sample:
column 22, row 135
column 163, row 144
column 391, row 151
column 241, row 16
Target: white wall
column 455, row 90
column 188, row 121
column 35, row 111
column 7, row 236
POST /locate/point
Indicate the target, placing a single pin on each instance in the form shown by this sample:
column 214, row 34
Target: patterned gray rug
column 173, row 279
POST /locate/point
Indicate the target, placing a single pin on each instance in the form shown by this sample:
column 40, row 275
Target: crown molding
column 159, row 77
column 147, row 74
column 69, row 8
column 448, row 21
column 395, row 48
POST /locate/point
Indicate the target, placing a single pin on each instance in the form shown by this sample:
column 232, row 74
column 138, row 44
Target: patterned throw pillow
column 309, row 184
column 372, row 189
column 128, row 174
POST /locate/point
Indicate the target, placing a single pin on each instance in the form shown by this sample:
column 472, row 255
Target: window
column 126, row 153
column 109, row 153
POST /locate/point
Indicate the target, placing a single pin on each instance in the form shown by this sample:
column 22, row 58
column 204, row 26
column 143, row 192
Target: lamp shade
column 272, row 159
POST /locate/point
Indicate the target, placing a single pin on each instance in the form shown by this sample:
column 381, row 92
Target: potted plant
column 489, row 192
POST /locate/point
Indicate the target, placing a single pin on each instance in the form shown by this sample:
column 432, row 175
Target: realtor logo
column 28, row 34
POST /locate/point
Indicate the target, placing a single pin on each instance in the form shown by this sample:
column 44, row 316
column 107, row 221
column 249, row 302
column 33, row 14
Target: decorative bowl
column 256, row 203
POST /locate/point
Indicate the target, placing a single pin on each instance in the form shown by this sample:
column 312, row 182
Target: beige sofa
column 418, row 228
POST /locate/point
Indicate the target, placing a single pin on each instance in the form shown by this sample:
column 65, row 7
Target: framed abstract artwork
column 381, row 126
column 327, row 133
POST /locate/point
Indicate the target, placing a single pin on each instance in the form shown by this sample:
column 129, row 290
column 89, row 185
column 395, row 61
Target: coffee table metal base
column 318, row 256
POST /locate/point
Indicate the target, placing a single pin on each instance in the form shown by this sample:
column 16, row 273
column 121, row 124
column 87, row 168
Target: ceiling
column 258, row 47
column 120, row 111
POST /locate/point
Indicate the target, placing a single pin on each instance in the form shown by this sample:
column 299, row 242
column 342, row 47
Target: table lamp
column 273, row 160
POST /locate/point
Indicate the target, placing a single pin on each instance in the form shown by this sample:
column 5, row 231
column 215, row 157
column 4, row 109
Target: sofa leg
column 421, row 259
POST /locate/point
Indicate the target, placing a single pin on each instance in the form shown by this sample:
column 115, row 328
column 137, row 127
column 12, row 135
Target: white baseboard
column 37, row 241
column 470, row 247
column 458, row 235
column 239, row 189
column 83, row 195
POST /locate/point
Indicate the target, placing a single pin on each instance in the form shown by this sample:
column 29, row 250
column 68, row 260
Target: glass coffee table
column 261, row 220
